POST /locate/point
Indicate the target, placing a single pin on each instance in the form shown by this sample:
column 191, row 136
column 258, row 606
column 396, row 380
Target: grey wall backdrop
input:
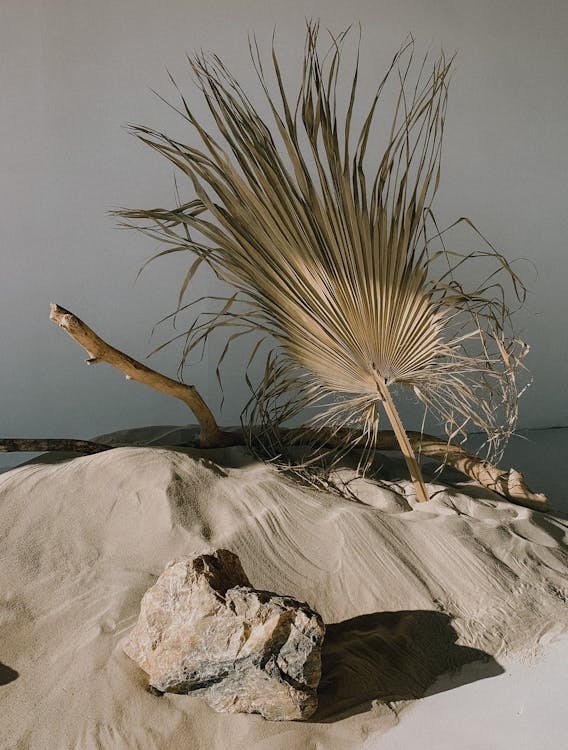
column 73, row 72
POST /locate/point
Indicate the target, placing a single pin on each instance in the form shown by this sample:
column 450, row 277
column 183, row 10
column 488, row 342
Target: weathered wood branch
column 510, row 484
column 99, row 351
column 33, row 445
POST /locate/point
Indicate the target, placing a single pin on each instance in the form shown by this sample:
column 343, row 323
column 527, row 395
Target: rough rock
column 204, row 630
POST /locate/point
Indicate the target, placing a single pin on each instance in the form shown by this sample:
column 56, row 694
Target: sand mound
column 410, row 591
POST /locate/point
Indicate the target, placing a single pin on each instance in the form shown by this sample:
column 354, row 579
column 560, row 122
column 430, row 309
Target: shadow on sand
column 7, row 674
column 393, row 656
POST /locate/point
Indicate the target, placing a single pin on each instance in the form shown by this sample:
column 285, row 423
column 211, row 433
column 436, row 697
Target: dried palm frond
column 348, row 276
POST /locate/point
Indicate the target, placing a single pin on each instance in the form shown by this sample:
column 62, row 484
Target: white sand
column 522, row 709
column 411, row 592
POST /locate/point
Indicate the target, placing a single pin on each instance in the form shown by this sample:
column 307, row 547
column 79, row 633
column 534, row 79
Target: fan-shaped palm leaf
column 339, row 269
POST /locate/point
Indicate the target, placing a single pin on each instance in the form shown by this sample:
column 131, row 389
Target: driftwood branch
column 32, row 445
column 510, row 484
column 99, row 351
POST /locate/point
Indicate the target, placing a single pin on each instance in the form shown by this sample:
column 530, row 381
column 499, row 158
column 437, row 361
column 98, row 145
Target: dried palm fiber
column 349, row 277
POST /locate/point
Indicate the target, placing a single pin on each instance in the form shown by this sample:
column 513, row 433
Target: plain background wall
column 73, row 72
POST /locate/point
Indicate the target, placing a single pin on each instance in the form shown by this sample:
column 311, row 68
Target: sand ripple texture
column 410, row 592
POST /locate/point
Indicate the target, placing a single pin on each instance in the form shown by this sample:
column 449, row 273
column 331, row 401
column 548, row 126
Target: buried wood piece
column 510, row 484
column 32, row 445
column 99, row 351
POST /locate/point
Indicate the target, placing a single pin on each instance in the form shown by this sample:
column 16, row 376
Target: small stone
column 204, row 630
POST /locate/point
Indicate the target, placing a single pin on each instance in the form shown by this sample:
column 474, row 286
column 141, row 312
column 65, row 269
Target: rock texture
column 203, row 629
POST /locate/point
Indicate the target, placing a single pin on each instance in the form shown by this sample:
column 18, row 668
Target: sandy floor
column 521, row 709
column 421, row 600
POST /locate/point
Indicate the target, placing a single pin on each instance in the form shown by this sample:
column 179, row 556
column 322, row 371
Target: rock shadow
column 7, row 674
column 393, row 656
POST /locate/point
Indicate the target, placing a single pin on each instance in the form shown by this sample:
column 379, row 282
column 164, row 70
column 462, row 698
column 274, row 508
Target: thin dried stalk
column 404, row 444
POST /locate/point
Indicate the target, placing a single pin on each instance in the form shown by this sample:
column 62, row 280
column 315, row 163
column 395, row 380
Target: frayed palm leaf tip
column 342, row 269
